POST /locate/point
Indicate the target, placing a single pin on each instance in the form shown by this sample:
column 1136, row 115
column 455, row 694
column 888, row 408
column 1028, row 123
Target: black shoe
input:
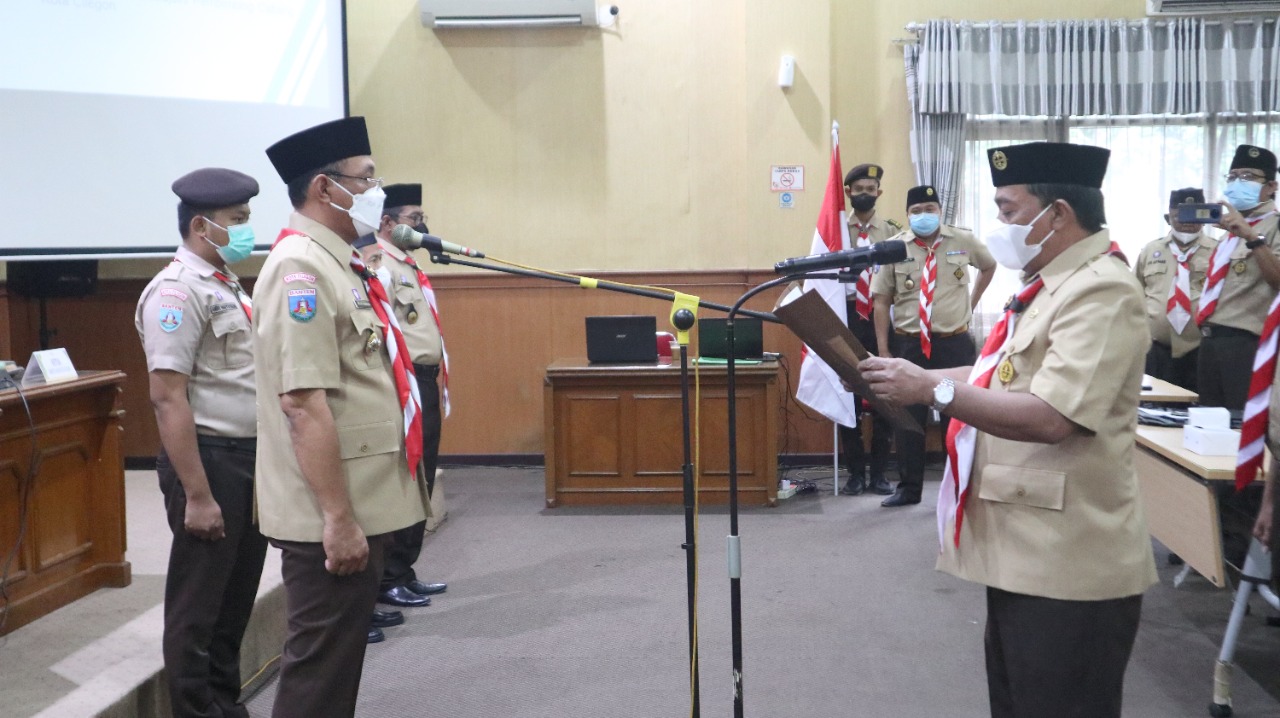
column 376, row 635
column 880, row 485
column 401, row 596
column 855, row 486
column 426, row 589
column 901, row 497
column 386, row 619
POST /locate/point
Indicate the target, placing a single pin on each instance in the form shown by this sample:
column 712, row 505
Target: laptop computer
column 625, row 339
column 748, row 339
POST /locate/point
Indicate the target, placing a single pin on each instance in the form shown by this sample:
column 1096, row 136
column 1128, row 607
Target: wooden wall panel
column 502, row 332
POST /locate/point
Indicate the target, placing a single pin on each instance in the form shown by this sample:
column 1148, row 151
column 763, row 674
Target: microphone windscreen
column 890, row 251
column 404, row 237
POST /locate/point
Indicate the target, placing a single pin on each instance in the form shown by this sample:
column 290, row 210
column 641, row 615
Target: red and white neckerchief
column 862, row 288
column 1178, row 308
column 429, row 293
column 1219, row 263
column 1253, row 430
column 401, row 363
column 401, row 366
column 234, row 285
column 962, row 439
column 928, row 280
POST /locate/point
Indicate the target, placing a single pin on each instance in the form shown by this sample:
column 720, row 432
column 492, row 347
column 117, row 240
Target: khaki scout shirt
column 1156, row 269
column 951, row 302
column 313, row 322
column 1065, row 520
column 1246, row 296
column 193, row 324
column 411, row 308
column 878, row 230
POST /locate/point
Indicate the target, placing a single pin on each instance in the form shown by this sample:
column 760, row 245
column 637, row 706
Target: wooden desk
column 73, row 540
column 1163, row 391
column 613, row 433
column 1180, row 504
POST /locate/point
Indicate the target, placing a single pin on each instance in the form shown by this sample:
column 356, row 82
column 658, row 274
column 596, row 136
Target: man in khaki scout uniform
column 1234, row 304
column 333, row 475
column 948, row 252
column 1171, row 270
column 1045, row 509
column 866, row 227
column 193, row 319
column 400, row 585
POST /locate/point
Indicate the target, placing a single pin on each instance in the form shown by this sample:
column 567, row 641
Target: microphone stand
column 683, row 320
column 733, row 545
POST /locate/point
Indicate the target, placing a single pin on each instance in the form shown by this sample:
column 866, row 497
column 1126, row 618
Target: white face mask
column 366, row 208
column 1008, row 243
column 1184, row 237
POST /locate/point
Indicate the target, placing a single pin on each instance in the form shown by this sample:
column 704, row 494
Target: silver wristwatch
column 943, row 394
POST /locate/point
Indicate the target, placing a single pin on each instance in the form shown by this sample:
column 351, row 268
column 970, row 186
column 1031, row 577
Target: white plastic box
column 1211, row 442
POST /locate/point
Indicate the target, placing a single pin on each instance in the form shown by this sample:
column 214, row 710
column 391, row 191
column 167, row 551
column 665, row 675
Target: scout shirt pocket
column 957, row 266
column 1036, row 488
column 366, row 350
column 233, row 341
column 905, row 278
column 408, row 295
column 368, row 440
column 1153, row 272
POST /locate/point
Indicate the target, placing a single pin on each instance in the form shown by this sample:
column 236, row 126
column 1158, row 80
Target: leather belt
column 249, row 443
column 1217, row 330
column 935, row 335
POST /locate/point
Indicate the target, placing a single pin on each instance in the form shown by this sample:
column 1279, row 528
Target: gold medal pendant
column 1005, row 371
column 412, row 316
column 959, row 272
column 1240, row 267
column 371, row 342
column 910, row 284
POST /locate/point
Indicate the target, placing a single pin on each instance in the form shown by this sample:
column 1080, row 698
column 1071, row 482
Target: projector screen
column 106, row 102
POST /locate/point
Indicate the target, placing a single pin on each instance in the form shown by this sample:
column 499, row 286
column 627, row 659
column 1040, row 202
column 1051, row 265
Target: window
column 1150, row 156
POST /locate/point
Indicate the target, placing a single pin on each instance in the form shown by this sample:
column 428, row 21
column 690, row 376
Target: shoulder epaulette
column 894, row 224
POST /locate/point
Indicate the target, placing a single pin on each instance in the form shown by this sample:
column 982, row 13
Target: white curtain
column 937, row 144
column 1099, row 67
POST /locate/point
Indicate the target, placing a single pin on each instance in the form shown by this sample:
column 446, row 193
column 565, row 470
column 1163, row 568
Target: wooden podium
column 73, row 535
column 613, row 433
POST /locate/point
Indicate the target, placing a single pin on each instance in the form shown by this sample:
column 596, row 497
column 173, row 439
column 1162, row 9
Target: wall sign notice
column 786, row 200
column 786, row 178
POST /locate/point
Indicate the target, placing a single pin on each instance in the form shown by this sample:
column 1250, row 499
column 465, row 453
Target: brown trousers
column 328, row 630
column 1048, row 658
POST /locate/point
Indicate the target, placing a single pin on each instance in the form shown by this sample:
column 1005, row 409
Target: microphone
column 406, row 238
column 890, row 252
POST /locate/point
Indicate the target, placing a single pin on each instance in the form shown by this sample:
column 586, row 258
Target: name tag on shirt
column 216, row 309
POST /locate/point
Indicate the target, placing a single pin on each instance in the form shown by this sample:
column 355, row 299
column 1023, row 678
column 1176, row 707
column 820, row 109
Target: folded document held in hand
column 809, row 318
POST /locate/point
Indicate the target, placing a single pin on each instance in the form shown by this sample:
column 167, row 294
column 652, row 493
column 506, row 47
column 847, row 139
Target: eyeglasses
column 375, row 181
column 1246, row 176
column 415, row 218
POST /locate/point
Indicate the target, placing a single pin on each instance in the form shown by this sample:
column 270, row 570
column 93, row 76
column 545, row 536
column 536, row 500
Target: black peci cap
column 1255, row 158
column 318, row 146
column 1186, row 195
column 923, row 193
column 1048, row 163
column 402, row 195
column 867, row 171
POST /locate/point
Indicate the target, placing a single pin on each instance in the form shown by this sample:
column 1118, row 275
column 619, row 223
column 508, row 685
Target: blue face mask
column 240, row 243
column 924, row 224
column 1243, row 194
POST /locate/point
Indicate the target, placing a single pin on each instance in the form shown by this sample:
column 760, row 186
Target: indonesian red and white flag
column 819, row 387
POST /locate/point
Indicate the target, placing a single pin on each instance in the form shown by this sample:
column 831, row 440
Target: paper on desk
column 809, row 318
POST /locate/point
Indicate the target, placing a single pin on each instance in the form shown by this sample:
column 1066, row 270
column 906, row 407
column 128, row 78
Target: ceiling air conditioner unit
column 441, row 14
column 1210, row 7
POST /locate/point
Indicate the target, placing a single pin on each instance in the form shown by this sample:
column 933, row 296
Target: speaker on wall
column 55, row 278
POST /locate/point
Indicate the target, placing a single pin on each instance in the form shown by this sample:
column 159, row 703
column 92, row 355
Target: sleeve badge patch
column 169, row 292
column 302, row 304
column 300, row 277
column 170, row 317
